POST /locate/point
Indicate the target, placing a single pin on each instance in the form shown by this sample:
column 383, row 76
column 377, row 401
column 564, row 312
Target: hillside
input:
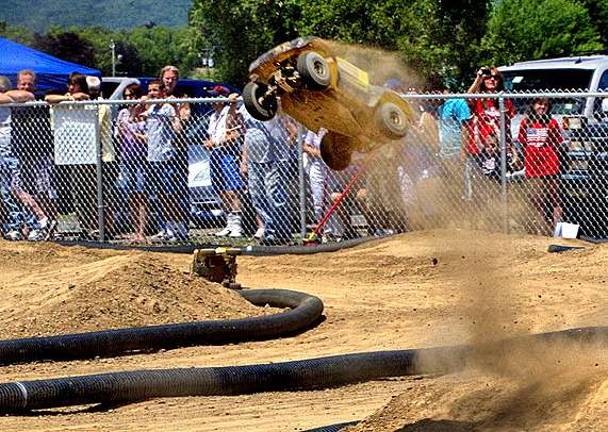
column 114, row 14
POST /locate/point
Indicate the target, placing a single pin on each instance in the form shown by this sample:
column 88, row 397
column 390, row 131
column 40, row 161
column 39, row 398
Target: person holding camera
column 482, row 143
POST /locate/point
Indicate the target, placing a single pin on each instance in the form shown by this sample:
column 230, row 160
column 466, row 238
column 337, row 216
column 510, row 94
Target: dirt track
column 417, row 290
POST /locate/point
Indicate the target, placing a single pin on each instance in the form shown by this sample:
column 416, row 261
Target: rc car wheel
column 261, row 106
column 314, row 70
column 336, row 151
column 392, row 121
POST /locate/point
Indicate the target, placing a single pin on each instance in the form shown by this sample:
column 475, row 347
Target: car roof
column 581, row 62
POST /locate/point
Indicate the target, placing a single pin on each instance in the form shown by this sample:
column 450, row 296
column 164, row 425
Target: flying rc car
column 318, row 89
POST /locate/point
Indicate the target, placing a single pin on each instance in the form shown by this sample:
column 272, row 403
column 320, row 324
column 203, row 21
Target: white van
column 568, row 74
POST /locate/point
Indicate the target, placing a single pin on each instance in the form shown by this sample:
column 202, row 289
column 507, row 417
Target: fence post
column 503, row 163
column 302, row 180
column 99, row 175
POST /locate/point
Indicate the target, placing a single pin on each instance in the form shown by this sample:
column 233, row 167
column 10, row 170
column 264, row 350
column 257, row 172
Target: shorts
column 161, row 178
column 225, row 171
column 132, row 176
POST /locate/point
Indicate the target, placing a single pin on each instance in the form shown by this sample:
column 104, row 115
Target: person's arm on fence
column 54, row 99
column 19, row 96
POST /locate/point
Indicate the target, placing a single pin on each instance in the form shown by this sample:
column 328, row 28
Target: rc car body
column 318, row 89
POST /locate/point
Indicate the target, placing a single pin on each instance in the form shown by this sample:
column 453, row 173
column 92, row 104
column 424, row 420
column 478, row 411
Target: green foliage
column 598, row 12
column 239, row 31
column 67, row 46
column 532, row 29
column 446, row 39
column 16, row 33
column 434, row 36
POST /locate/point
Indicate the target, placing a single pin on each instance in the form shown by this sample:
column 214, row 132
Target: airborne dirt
column 420, row 289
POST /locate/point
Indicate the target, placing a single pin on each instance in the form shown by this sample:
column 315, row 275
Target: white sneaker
column 223, row 233
column 159, row 236
column 13, row 235
column 235, row 227
column 36, row 235
column 43, row 223
column 236, row 231
column 259, row 234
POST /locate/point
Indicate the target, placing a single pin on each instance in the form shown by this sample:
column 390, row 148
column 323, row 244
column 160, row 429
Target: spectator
column 12, row 226
column 316, row 171
column 483, row 131
column 130, row 135
column 261, row 163
column 78, row 90
column 453, row 115
column 226, row 132
column 161, row 124
column 79, row 174
column 22, row 148
column 169, row 75
column 541, row 138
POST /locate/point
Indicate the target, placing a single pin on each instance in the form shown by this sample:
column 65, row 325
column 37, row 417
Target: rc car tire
column 314, row 70
column 336, row 151
column 392, row 121
column 259, row 109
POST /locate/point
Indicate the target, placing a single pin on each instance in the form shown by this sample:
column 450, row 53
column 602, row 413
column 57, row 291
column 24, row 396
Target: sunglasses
column 492, row 77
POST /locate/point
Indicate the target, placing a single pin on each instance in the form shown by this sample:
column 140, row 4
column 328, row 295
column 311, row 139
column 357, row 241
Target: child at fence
column 541, row 137
column 130, row 134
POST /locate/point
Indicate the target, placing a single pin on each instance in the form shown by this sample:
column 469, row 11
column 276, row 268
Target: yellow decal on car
column 358, row 76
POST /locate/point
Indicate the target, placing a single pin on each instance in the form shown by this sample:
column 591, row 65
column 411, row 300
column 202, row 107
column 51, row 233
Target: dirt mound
column 101, row 290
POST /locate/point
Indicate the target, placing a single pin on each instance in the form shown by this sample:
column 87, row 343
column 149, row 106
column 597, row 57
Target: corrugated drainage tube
column 305, row 311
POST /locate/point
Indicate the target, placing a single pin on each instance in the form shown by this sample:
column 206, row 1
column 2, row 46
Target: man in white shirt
column 226, row 132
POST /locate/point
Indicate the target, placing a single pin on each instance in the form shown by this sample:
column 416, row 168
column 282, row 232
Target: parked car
column 321, row 90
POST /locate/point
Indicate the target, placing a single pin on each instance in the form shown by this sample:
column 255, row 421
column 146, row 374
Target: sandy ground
column 417, row 290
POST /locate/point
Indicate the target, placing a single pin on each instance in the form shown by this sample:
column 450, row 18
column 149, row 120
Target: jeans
column 16, row 216
column 269, row 197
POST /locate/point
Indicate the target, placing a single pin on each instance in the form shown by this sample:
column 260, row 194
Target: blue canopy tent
column 52, row 73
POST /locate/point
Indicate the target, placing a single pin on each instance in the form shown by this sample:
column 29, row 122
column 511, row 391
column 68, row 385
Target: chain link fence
column 194, row 171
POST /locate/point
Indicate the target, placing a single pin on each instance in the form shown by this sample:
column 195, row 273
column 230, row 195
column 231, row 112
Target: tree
column 598, row 12
column 240, row 30
column 533, row 29
column 15, row 33
column 66, row 45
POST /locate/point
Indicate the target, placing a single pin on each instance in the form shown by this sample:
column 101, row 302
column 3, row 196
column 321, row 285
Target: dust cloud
column 538, row 378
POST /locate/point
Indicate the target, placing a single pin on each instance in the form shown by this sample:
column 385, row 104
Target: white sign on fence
column 75, row 134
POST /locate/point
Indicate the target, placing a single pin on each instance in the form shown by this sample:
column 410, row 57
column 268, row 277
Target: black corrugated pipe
column 122, row 387
column 333, row 428
column 305, row 312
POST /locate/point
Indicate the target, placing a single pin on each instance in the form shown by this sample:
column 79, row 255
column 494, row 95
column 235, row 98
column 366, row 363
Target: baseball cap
column 219, row 90
column 93, row 82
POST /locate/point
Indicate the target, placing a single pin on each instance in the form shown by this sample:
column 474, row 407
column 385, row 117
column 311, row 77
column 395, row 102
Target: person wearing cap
column 226, row 132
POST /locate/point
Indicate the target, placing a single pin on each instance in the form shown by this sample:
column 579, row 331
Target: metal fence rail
column 202, row 171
